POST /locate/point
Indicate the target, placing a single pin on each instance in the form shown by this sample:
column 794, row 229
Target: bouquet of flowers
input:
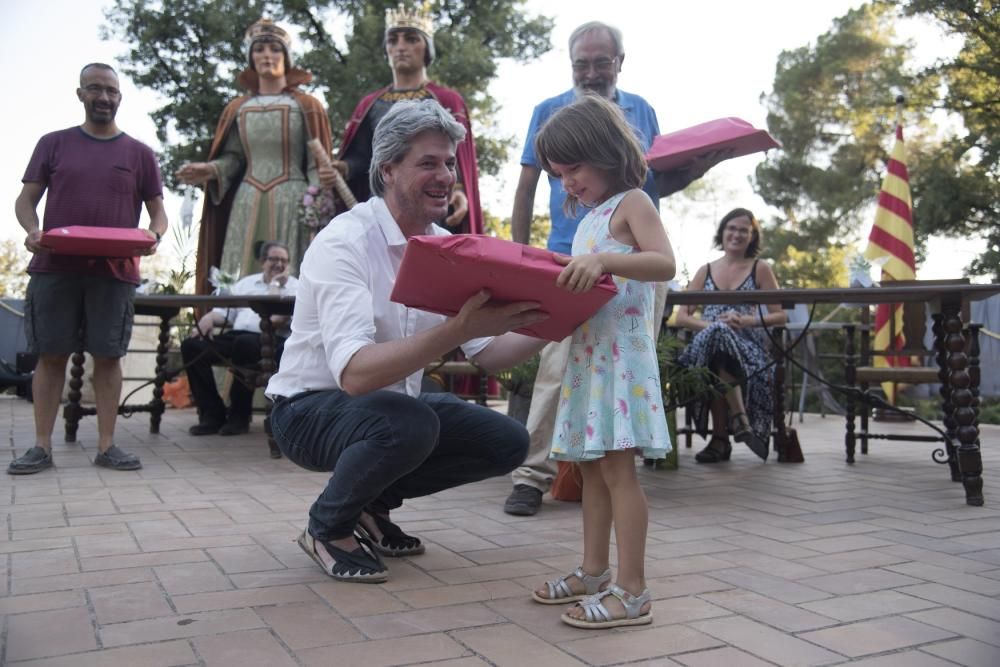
column 859, row 269
column 316, row 208
column 221, row 281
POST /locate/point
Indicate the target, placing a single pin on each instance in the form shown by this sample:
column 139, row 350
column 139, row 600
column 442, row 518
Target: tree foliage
column 832, row 108
column 959, row 186
column 13, row 266
column 541, row 226
column 190, row 51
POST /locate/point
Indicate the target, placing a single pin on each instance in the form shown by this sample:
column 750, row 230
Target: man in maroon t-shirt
column 98, row 176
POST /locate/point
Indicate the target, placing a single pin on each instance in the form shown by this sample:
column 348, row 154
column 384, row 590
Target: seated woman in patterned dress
column 731, row 342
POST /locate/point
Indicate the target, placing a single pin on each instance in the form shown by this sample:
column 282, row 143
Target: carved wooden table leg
column 851, row 379
column 73, row 411
column 970, row 463
column 947, row 407
column 484, row 389
column 157, row 406
column 778, row 414
column 267, row 368
column 975, row 372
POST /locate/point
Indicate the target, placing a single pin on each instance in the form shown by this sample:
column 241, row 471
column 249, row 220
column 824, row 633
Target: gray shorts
column 66, row 312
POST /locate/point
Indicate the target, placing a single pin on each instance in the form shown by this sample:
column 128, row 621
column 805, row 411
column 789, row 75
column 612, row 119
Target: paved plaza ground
column 191, row 561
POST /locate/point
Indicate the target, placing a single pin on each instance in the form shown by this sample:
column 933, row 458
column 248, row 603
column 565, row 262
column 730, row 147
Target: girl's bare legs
column 631, row 520
column 596, row 527
column 597, row 516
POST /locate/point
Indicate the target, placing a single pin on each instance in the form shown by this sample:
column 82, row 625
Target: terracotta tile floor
column 191, row 561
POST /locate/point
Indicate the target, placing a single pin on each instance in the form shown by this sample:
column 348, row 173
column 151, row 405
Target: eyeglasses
column 96, row 90
column 603, row 65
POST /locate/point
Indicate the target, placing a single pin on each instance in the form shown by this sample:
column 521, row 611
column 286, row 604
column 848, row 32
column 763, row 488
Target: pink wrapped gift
column 97, row 241
column 678, row 149
column 440, row 273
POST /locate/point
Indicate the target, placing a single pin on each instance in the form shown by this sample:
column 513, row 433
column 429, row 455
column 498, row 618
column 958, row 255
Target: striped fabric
column 892, row 237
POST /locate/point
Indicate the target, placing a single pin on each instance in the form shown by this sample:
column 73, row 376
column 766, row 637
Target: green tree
column 959, row 184
column 832, row 108
column 190, row 51
column 541, row 226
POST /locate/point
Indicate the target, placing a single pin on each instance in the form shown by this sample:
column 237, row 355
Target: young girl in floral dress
column 611, row 403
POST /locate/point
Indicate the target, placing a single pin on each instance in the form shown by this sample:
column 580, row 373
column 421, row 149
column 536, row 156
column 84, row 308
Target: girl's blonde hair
column 592, row 130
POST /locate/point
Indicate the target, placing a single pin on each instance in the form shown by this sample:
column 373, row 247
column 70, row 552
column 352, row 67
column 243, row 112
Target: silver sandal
column 561, row 593
column 596, row 615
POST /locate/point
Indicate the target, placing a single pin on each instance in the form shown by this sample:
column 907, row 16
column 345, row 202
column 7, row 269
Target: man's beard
column 602, row 88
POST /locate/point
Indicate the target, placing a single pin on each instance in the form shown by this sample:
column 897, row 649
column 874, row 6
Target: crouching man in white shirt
column 347, row 397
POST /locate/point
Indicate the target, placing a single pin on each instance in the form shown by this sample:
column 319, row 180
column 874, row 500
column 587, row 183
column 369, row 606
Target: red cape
column 215, row 218
column 465, row 152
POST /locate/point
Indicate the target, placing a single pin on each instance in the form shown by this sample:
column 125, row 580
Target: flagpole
column 892, row 237
column 893, row 319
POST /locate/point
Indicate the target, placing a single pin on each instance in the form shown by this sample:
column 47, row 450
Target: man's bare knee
column 55, row 362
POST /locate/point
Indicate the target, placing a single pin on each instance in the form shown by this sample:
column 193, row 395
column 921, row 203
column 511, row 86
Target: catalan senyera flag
column 892, row 237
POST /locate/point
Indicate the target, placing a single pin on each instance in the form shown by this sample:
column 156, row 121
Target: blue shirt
column 640, row 116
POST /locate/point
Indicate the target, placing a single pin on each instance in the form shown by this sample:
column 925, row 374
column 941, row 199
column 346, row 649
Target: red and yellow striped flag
column 892, row 237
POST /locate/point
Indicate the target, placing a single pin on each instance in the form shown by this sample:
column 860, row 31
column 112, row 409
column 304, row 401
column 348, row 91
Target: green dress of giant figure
column 259, row 165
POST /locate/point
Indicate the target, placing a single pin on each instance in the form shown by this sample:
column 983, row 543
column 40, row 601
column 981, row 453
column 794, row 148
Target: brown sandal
column 712, row 454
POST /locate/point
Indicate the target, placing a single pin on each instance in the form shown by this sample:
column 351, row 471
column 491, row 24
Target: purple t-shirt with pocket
column 96, row 183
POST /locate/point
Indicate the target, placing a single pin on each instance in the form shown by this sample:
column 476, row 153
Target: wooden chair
column 448, row 371
column 780, row 434
column 863, row 375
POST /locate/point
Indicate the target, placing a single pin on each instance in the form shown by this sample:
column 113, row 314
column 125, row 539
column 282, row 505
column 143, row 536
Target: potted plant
column 519, row 382
column 680, row 386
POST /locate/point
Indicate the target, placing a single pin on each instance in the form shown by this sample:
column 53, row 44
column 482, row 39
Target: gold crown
column 267, row 29
column 415, row 19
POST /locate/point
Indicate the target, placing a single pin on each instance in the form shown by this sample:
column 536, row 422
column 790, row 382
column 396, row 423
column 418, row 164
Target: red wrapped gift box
column 440, row 273
column 97, row 241
column 678, row 149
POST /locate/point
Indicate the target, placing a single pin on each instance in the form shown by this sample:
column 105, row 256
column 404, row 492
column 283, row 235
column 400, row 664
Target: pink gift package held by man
column 736, row 136
column 440, row 273
column 97, row 241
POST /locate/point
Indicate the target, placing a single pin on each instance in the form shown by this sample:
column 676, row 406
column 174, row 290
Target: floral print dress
column 611, row 395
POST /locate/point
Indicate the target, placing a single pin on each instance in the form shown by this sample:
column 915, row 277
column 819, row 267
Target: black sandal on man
column 394, row 542
column 362, row 565
column 715, row 453
column 743, row 433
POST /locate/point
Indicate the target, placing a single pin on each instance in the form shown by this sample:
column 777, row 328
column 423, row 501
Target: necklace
column 393, row 95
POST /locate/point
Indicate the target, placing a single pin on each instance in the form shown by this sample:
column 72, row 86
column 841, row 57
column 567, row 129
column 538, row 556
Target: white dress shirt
column 343, row 305
column 245, row 319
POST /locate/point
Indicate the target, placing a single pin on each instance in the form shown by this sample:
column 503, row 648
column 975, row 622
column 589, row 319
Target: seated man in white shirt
column 238, row 344
column 347, row 397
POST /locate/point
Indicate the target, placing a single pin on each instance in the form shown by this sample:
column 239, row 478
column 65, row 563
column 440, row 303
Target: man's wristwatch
column 158, row 235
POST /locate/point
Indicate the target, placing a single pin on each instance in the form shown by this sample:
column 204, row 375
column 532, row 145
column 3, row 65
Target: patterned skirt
column 741, row 353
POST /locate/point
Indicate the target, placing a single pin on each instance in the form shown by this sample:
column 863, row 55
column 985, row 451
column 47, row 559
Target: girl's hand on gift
column 581, row 273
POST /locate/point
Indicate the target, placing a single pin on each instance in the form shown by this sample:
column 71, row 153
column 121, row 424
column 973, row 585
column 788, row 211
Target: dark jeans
column 242, row 349
column 385, row 446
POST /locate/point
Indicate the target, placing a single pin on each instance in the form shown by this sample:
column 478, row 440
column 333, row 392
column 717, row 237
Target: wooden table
column 959, row 369
column 167, row 307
